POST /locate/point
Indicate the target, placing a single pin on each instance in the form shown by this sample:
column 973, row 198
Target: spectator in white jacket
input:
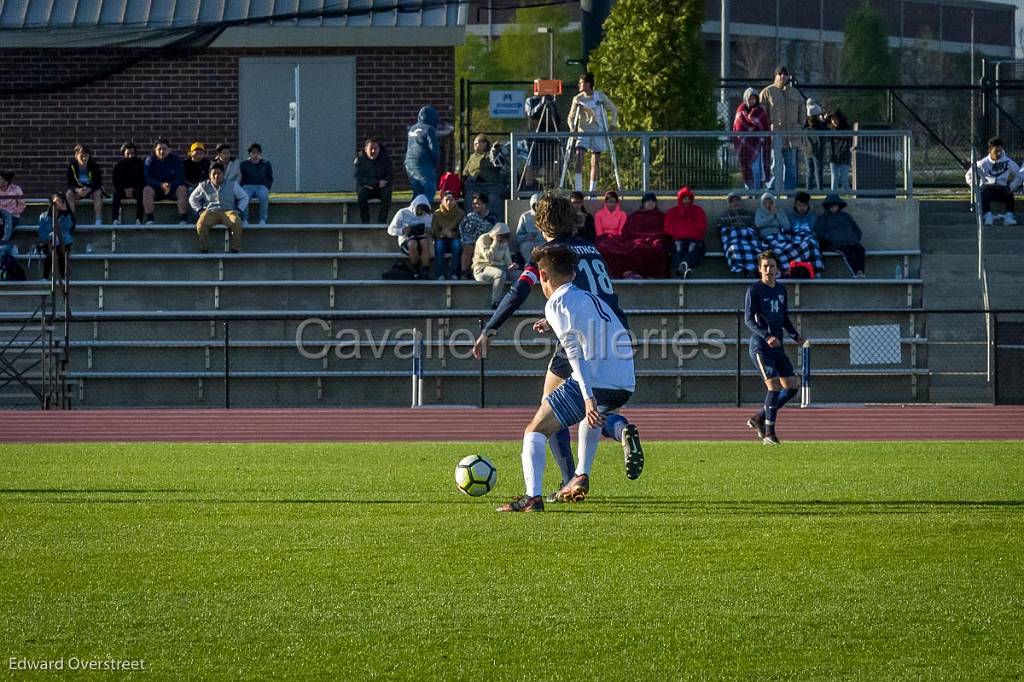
column 998, row 177
column 412, row 227
column 492, row 261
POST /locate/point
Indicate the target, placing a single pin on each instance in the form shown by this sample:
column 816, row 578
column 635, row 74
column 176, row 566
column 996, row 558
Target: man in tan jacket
column 786, row 112
column 492, row 260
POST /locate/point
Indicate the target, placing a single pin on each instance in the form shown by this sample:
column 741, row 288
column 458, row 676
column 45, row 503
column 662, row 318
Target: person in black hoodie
column 85, row 180
column 373, row 180
column 129, row 179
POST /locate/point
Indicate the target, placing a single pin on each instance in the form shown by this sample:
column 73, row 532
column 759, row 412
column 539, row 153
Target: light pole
column 551, row 49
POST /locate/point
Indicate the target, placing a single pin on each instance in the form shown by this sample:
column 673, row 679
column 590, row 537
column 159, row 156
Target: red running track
column 466, row 424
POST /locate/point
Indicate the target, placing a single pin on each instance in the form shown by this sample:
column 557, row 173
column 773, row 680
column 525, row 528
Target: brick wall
column 185, row 97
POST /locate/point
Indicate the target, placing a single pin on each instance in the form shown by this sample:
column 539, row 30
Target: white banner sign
column 507, row 104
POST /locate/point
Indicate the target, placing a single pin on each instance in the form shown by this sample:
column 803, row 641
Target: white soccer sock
column 587, row 447
column 593, row 185
column 578, row 182
column 534, row 458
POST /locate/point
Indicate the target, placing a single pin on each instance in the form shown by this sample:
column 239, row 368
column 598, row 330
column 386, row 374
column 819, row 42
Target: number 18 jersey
column 591, row 275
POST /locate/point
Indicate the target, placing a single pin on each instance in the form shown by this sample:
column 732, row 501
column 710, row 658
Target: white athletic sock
column 578, row 181
column 587, row 447
column 593, row 185
column 534, row 458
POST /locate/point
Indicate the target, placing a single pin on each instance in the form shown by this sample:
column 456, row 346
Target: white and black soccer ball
column 475, row 475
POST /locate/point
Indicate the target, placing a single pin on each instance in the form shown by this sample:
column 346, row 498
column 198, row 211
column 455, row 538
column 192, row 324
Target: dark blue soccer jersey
column 591, row 276
column 766, row 314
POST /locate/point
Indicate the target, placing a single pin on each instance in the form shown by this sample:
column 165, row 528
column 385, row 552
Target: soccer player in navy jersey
column 556, row 220
column 767, row 315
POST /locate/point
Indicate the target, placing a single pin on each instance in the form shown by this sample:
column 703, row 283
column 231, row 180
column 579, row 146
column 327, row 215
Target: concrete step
column 141, row 295
column 342, row 265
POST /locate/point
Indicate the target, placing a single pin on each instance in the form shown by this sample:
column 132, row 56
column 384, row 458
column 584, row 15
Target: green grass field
column 352, row 561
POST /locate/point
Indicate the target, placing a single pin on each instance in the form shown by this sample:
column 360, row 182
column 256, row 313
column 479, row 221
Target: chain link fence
column 682, row 357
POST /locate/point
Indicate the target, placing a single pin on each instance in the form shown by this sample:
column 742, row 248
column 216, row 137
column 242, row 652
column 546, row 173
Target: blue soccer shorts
column 570, row 408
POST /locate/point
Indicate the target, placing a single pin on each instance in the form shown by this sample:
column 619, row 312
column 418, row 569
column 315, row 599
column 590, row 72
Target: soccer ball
column 475, row 475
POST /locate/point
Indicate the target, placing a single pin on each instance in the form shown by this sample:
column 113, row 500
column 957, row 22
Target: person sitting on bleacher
column 444, row 228
column 776, row 233
column 129, row 180
column 480, row 174
column 373, row 180
column 85, row 180
column 11, row 205
column 739, row 237
column 644, row 234
column 999, row 177
column 219, row 202
column 257, row 179
column 585, row 227
column 837, row 230
column 412, row 227
column 232, row 173
column 492, row 261
column 197, row 166
column 800, row 238
column 609, row 222
column 528, row 236
column 477, row 222
column 686, row 224
column 165, row 179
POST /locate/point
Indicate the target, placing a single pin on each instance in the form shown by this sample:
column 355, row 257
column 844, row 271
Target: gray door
column 302, row 110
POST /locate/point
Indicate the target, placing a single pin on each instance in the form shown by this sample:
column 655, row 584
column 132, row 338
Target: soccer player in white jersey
column 599, row 349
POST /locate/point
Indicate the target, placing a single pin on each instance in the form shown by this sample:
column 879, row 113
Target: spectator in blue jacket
column 165, row 179
column 423, row 153
column 257, row 179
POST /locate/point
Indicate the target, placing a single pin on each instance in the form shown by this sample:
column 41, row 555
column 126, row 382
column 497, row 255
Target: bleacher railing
column 712, row 162
column 684, row 357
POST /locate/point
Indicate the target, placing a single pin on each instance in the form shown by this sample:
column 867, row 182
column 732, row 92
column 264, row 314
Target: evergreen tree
column 866, row 60
column 651, row 63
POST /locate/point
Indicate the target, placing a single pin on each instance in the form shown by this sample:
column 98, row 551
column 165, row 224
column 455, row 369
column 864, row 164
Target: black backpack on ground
column 400, row 270
column 10, row 268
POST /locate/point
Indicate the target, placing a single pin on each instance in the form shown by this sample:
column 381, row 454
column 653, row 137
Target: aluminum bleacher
column 151, row 312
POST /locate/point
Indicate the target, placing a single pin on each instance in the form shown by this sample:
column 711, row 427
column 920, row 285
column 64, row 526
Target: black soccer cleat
column 770, row 439
column 633, row 451
column 757, row 423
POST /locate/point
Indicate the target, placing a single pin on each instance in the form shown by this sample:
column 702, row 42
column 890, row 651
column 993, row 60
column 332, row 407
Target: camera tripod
column 547, row 122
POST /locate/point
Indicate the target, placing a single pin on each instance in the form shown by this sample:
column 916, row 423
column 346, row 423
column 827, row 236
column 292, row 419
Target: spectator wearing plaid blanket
column 739, row 237
column 801, row 225
column 776, row 232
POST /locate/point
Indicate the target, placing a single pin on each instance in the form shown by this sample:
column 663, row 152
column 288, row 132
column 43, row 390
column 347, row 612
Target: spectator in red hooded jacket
column 685, row 225
column 645, row 233
column 751, row 116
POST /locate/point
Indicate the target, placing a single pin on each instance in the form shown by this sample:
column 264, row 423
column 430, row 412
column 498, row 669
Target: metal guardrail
column 683, row 356
column 713, row 162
